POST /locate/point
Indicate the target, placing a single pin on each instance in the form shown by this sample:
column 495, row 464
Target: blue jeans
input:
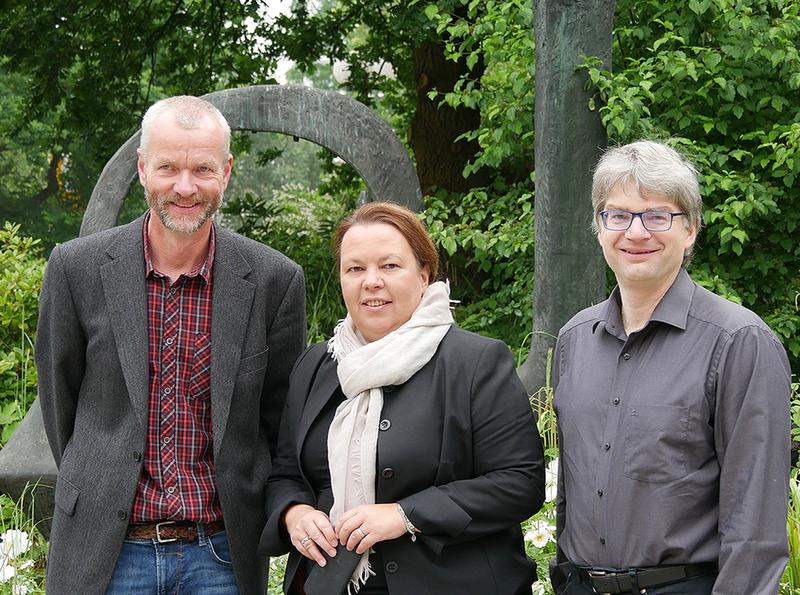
column 146, row 567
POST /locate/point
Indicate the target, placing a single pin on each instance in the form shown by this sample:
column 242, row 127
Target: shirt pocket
column 200, row 379
column 655, row 442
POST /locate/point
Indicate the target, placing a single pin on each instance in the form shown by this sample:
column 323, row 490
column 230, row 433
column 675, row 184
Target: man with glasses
column 673, row 408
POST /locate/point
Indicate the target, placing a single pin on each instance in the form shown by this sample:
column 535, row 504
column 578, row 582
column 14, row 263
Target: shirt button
column 122, row 514
column 137, row 456
column 166, row 439
column 392, row 567
column 167, row 390
column 616, row 400
column 172, row 291
column 387, row 473
column 385, row 424
column 602, row 541
column 171, row 489
column 626, row 356
column 600, row 493
column 606, row 446
column 170, row 340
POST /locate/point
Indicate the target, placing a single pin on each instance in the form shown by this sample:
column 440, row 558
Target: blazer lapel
column 322, row 388
column 123, row 280
column 231, row 302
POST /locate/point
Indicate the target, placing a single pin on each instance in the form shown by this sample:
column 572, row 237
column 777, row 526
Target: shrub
column 298, row 222
column 21, row 270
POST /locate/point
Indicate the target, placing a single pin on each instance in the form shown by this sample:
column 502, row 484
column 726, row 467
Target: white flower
column 7, row 571
column 14, row 543
column 551, row 480
column 537, row 588
column 540, row 533
column 338, row 161
column 20, row 589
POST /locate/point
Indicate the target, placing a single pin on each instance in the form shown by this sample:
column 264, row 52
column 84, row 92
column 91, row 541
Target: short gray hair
column 654, row 168
column 189, row 112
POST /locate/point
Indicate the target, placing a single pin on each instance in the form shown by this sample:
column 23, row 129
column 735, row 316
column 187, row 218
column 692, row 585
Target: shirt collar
column 203, row 271
column 673, row 309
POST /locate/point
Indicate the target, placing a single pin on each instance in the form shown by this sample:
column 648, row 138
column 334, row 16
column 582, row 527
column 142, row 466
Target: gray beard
column 183, row 225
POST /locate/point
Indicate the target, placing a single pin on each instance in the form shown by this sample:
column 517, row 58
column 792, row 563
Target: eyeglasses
column 651, row 220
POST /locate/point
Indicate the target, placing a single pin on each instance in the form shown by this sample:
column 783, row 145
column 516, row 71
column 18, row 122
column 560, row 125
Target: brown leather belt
column 167, row 531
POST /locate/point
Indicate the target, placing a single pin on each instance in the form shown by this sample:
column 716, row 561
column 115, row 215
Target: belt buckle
column 597, row 574
column 158, row 532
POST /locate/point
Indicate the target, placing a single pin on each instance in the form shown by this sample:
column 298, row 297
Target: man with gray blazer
column 164, row 348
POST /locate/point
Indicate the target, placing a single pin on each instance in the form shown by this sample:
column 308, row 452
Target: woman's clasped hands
column 311, row 531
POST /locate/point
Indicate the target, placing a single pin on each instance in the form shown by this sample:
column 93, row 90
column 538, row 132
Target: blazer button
column 122, row 514
column 137, row 456
column 392, row 567
column 387, row 473
column 385, row 425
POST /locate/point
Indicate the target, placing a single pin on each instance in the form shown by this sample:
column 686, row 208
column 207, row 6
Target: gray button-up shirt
column 674, row 439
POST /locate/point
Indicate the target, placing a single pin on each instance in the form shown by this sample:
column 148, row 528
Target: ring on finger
column 305, row 540
column 363, row 533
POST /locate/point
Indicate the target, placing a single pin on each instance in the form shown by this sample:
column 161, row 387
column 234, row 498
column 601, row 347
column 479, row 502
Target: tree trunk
column 434, row 128
column 569, row 272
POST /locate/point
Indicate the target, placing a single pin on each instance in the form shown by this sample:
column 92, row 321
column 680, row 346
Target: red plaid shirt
column 178, row 479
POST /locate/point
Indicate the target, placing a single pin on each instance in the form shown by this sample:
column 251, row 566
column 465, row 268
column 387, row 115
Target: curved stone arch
column 343, row 125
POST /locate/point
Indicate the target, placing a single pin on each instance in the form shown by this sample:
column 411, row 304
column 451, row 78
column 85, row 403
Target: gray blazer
column 91, row 355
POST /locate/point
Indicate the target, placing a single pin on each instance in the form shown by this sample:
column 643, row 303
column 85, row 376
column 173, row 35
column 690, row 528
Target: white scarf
column 363, row 368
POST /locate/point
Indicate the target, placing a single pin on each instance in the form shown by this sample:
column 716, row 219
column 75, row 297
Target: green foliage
column 721, row 82
column 21, row 270
column 795, row 412
column 486, row 235
column 75, row 79
column 487, row 242
column 498, row 36
column 277, row 570
column 790, row 584
column 298, row 222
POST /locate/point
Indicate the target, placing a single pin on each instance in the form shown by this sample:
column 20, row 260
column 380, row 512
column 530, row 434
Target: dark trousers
column 698, row 585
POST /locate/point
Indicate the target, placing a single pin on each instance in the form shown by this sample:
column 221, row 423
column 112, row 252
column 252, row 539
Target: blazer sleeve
column 60, row 355
column 286, row 341
column 508, row 461
column 286, row 484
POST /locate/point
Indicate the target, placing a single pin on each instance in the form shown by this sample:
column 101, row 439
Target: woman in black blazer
column 404, row 438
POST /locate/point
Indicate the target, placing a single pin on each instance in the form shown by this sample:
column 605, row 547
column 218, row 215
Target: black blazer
column 461, row 454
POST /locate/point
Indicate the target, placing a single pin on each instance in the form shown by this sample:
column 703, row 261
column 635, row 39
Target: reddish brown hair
column 403, row 220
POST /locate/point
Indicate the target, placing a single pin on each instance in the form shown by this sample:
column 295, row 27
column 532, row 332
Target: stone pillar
column 569, row 272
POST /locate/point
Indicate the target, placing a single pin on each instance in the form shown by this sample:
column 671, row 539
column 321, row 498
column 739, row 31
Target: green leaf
column 449, row 244
column 432, row 12
column 740, row 235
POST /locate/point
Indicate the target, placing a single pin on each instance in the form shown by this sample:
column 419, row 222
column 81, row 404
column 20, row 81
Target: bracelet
column 409, row 525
